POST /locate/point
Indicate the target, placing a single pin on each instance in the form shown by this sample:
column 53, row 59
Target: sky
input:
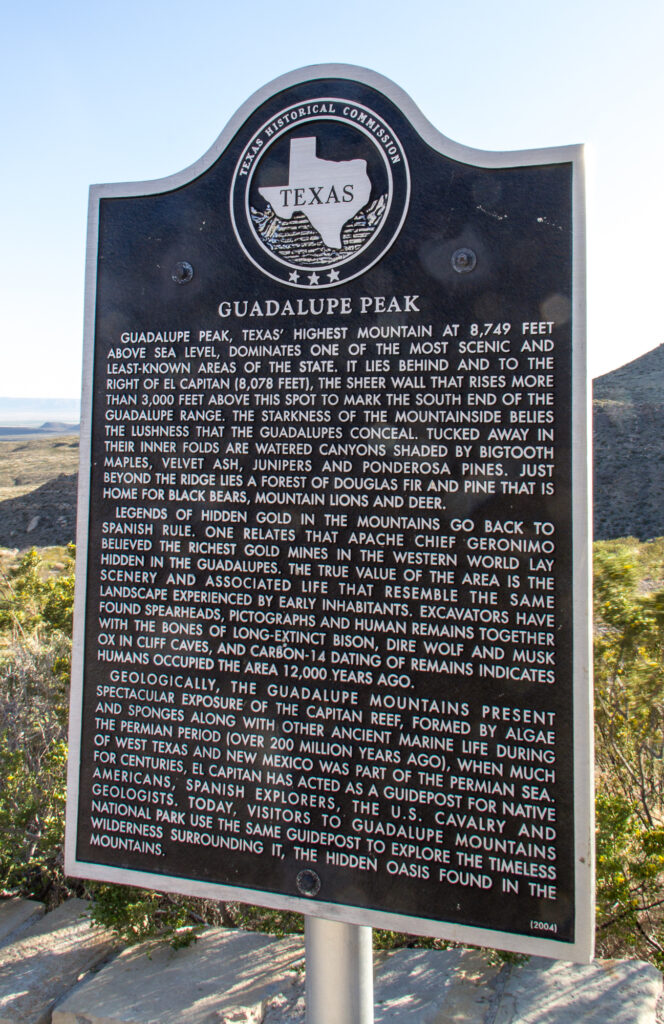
column 139, row 89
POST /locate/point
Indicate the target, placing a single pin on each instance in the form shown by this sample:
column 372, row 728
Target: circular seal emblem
column 320, row 193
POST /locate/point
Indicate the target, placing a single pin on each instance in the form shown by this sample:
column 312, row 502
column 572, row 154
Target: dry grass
column 647, row 556
column 26, row 465
column 53, row 560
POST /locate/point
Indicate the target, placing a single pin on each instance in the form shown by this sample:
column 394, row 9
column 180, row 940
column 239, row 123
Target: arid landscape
column 38, row 480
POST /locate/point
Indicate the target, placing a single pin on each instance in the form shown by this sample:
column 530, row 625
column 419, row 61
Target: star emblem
column 313, row 278
column 334, row 276
column 294, row 276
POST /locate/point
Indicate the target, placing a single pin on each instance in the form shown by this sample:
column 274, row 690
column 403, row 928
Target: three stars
column 314, row 278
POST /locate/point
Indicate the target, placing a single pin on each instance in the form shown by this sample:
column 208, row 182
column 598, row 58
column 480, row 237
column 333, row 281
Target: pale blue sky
column 139, row 89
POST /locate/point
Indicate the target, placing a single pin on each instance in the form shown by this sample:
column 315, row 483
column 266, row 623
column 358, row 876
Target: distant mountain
column 628, row 445
column 49, row 429
column 35, row 411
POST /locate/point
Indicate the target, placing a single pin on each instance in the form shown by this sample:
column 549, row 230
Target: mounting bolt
column 464, row 260
column 308, row 882
column 182, row 272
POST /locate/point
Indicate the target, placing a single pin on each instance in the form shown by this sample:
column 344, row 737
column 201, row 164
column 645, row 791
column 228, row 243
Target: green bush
column 138, row 914
column 35, row 657
column 629, row 720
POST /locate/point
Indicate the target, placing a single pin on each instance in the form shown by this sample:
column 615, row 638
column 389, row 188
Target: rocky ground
column 42, row 517
column 38, row 491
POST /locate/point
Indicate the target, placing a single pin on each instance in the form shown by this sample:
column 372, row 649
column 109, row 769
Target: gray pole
column 339, row 972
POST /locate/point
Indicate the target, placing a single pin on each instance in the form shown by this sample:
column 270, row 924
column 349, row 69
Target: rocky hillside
column 43, row 517
column 38, row 492
column 628, row 429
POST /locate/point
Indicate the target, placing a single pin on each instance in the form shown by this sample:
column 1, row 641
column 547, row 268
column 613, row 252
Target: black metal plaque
column 331, row 647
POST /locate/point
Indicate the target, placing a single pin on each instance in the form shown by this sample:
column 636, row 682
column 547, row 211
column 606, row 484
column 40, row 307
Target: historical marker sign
column 331, row 647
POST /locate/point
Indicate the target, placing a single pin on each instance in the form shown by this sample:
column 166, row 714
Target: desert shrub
column 629, row 719
column 35, row 657
column 137, row 914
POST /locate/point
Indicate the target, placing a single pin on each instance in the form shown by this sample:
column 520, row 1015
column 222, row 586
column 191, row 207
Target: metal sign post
column 339, row 966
